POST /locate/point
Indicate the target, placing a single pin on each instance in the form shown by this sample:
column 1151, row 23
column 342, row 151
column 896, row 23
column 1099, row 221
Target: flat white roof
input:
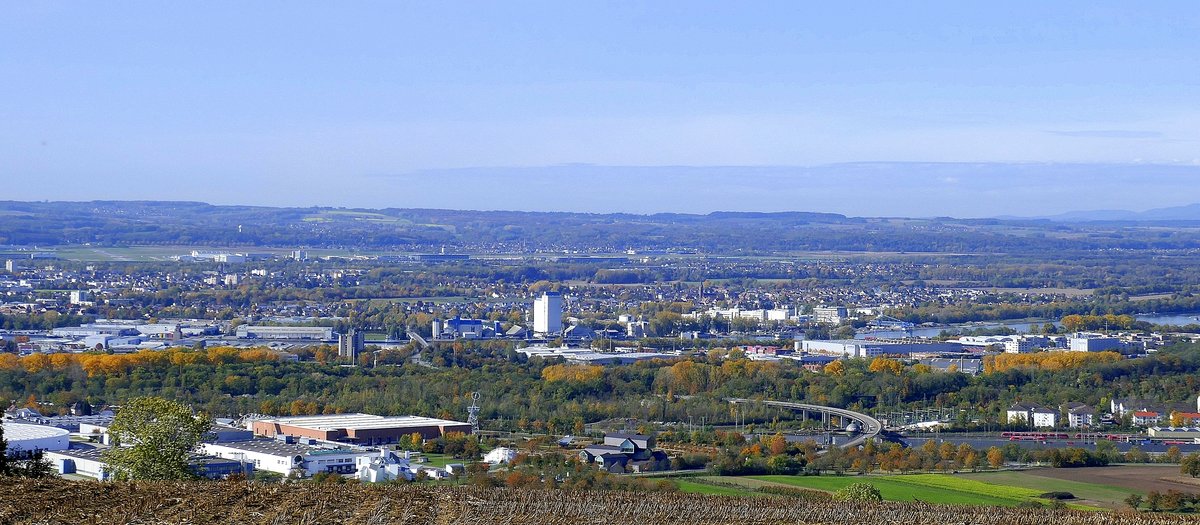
column 22, row 431
column 626, row 355
column 286, row 328
column 359, row 421
column 587, row 353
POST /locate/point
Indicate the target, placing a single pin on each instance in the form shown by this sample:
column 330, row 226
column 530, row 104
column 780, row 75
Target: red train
column 1050, row 436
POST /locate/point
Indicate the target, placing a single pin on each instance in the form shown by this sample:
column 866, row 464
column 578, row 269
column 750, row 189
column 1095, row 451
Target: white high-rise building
column 547, row 313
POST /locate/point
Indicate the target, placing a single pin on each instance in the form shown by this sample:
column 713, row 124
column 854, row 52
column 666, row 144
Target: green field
column 693, row 487
column 332, row 215
column 439, row 460
column 931, row 488
column 1088, row 491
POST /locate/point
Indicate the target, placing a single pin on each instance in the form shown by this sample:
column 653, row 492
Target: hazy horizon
column 523, row 105
column 863, row 189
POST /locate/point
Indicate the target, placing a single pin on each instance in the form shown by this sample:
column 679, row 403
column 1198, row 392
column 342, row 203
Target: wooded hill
column 114, row 223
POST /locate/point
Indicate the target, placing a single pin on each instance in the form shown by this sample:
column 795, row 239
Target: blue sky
column 418, row 104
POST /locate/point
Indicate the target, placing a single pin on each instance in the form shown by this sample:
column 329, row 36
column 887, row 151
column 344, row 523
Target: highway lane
column 869, row 427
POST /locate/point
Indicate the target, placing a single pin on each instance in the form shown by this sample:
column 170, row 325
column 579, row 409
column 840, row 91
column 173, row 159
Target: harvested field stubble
column 62, row 501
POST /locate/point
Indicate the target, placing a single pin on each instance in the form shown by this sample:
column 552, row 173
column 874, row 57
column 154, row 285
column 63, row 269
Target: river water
column 1172, row 319
column 1021, row 326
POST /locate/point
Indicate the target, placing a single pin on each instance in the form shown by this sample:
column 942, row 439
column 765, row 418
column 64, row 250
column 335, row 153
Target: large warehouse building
column 23, row 437
column 362, row 429
column 316, row 333
column 864, row 348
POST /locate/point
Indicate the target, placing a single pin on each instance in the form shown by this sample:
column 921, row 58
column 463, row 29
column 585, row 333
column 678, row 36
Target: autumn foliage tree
column 1047, row 360
column 995, row 457
column 883, row 364
column 578, row 373
column 1075, row 323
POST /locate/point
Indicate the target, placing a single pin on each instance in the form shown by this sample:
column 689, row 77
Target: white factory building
column 86, row 462
column 547, row 313
column 865, row 348
column 584, row 356
column 1082, row 342
column 834, row 315
column 24, row 437
column 284, row 457
column 315, row 333
column 761, row 315
column 1012, row 344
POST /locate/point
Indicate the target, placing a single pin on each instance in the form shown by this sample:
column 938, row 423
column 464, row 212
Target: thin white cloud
column 1111, row 134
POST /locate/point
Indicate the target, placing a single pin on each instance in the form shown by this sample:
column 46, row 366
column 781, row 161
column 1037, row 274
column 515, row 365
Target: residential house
column 1145, row 412
column 1079, row 415
column 1043, row 417
column 625, row 453
column 1121, row 406
column 1145, row 418
column 578, row 331
column 1032, row 415
column 500, row 455
column 1184, row 419
column 390, row 465
column 1018, row 413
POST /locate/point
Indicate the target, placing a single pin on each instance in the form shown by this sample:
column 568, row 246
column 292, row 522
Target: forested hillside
column 184, row 223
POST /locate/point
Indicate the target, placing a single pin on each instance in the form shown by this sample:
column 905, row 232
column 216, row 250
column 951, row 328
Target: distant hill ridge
column 1190, row 212
column 182, row 223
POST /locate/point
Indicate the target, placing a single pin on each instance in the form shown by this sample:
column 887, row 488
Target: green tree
column 1190, row 464
column 1108, row 450
column 5, row 467
column 1134, row 501
column 858, row 492
column 31, row 465
column 152, row 438
column 22, row 464
column 784, row 464
column 1153, row 500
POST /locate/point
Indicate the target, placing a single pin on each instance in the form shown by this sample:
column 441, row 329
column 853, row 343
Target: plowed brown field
column 76, row 502
column 1139, row 478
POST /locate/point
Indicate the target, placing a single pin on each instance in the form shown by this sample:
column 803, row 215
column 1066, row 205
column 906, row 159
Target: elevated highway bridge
column 868, row 427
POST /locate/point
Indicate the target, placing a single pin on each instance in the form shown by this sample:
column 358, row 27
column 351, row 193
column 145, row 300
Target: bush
column 858, row 492
column 1134, row 501
column 1057, row 495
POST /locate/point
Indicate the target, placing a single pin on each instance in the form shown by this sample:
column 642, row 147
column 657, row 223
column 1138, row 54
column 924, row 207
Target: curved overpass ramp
column 869, row 426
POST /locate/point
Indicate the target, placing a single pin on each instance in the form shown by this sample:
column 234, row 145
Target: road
column 869, row 427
